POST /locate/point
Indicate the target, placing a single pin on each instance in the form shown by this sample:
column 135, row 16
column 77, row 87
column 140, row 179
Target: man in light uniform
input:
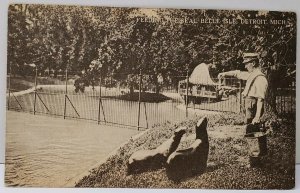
column 255, row 89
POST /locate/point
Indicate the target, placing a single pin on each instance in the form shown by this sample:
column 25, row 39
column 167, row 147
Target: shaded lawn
column 226, row 165
column 18, row 83
column 145, row 97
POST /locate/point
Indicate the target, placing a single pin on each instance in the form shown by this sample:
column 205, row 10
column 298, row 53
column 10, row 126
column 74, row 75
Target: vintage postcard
column 150, row 98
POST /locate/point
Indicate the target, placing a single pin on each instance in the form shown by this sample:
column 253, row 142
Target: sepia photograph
column 115, row 97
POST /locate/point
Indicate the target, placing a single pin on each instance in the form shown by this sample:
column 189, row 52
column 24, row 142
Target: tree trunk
column 270, row 100
column 157, row 88
column 131, row 90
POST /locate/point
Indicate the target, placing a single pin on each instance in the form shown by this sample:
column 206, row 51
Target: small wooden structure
column 200, row 85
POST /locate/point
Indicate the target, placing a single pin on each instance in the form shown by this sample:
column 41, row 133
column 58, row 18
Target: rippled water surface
column 50, row 152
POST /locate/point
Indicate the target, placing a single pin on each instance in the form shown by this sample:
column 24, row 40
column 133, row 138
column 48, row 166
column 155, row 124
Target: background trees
column 60, row 37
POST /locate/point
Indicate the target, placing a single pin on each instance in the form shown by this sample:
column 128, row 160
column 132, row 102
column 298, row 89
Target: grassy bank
column 226, row 164
column 18, row 83
column 145, row 97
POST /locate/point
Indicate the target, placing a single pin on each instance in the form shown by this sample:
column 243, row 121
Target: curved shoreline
column 72, row 182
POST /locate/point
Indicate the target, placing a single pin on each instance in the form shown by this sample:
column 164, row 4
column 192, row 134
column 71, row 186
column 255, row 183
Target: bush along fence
column 135, row 102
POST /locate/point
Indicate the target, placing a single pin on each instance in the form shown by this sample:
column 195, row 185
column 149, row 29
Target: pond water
column 43, row 151
column 48, row 151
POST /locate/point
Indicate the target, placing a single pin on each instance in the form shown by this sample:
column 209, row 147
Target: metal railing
column 142, row 108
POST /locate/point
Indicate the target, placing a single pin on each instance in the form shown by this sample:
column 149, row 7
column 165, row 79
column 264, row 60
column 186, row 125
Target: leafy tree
column 57, row 38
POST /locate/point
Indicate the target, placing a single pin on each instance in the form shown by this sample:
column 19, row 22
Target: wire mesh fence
column 219, row 95
column 286, row 100
column 141, row 103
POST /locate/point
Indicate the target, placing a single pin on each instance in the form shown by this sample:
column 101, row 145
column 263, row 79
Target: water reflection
column 49, row 152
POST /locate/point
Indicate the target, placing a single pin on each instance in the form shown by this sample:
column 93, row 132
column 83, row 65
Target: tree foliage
column 71, row 37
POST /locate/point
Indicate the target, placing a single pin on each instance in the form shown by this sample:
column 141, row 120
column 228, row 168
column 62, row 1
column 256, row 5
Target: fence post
column 240, row 93
column 35, row 86
column 99, row 107
column 292, row 97
column 66, row 92
column 147, row 125
column 8, row 100
column 187, row 93
column 140, row 88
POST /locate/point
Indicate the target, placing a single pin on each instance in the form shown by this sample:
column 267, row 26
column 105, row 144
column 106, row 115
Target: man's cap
column 249, row 57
